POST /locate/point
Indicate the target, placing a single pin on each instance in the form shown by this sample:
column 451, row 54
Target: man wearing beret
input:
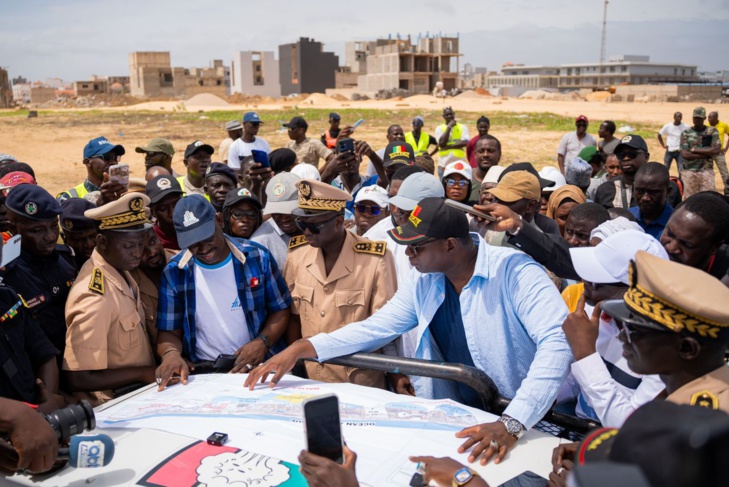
column 675, row 324
column 45, row 270
column 99, row 155
column 77, row 231
column 107, row 346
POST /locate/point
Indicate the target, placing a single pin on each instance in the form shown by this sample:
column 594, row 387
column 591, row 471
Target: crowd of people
column 593, row 287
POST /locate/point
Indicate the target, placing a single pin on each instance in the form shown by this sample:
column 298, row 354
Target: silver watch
column 513, row 426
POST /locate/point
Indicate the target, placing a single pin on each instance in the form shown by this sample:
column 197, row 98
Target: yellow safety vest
column 181, row 181
column 78, row 191
column 455, row 135
column 421, row 146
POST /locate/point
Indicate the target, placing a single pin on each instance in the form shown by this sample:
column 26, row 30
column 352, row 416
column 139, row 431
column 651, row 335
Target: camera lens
column 72, row 420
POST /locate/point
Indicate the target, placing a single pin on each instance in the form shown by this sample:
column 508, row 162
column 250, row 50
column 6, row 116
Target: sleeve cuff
column 323, row 346
column 590, row 370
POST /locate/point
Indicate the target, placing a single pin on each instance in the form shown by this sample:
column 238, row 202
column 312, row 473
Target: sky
column 74, row 39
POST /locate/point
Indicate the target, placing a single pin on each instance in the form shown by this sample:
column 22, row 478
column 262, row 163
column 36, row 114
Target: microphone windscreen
column 89, row 451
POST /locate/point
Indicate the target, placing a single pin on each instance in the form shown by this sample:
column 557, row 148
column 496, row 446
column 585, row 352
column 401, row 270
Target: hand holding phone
column 260, row 157
column 469, row 210
column 357, row 124
column 345, row 145
column 119, row 173
column 323, row 428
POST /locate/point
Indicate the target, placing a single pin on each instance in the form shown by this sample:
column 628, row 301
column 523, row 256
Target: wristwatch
column 513, row 426
column 264, row 339
column 463, row 476
column 514, row 234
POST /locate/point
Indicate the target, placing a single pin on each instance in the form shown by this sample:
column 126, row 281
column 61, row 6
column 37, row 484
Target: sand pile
column 534, row 94
column 477, row 93
column 598, row 96
column 206, row 100
column 319, row 99
column 339, row 97
column 245, row 99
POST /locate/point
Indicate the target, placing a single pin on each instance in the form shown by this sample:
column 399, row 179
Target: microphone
column 88, row 451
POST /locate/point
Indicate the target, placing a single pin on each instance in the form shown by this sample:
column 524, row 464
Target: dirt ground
column 53, row 142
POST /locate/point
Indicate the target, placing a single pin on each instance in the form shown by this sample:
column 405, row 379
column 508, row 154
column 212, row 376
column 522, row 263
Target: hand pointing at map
column 280, row 364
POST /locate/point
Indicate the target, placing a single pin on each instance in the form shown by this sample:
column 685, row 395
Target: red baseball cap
column 15, row 178
column 582, row 118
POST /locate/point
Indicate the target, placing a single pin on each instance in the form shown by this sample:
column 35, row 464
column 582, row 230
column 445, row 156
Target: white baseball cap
column 493, row 174
column 373, row 193
column 608, row 262
column 552, row 173
column 458, row 167
column 416, row 187
column 282, row 194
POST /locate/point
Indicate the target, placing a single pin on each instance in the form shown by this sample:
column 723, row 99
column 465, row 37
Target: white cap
column 306, row 171
column 552, row 173
column 458, row 167
column 493, row 174
column 611, row 227
column 373, row 193
column 282, row 194
column 608, row 262
column 415, row 188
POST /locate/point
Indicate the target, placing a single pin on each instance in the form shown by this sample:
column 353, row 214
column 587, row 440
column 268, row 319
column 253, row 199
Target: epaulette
column 96, row 283
column 297, row 241
column 374, row 247
column 705, row 399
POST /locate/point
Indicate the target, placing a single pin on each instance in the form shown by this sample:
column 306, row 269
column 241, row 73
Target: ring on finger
column 560, row 470
column 494, row 445
column 159, row 380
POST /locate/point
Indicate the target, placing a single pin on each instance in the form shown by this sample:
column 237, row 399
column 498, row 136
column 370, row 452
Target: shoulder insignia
column 297, row 241
column 12, row 312
column 705, row 399
column 374, row 247
column 97, row 281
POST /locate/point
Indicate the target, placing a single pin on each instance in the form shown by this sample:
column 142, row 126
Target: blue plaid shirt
column 261, row 288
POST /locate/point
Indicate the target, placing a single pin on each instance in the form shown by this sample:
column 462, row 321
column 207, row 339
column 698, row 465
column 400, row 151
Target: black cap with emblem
column 33, row 202
column 160, row 186
column 73, row 219
column 431, row 219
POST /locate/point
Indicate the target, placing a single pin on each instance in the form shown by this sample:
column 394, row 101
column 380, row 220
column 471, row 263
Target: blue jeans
column 670, row 156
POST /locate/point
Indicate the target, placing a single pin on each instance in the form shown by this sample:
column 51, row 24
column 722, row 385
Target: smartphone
column 11, row 250
column 225, row 361
column 119, row 173
column 261, row 157
column 322, row 427
column 469, row 210
column 358, row 123
column 526, row 479
column 345, row 145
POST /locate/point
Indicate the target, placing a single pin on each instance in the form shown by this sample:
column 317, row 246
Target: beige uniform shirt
column 106, row 323
column 223, row 149
column 360, row 283
column 710, row 390
column 310, row 151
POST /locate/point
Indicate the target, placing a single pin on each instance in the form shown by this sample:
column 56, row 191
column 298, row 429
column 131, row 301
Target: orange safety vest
column 331, row 141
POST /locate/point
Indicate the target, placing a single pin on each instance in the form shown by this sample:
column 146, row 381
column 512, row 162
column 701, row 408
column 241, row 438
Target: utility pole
column 603, row 43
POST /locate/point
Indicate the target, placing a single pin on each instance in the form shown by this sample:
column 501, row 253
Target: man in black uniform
column 78, row 232
column 28, row 369
column 44, row 271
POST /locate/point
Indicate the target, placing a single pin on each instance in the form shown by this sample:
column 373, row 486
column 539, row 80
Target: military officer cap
column 129, row 213
column 668, row 296
column 316, row 198
column 73, row 219
column 33, row 202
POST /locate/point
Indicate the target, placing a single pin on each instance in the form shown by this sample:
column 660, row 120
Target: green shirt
column 690, row 139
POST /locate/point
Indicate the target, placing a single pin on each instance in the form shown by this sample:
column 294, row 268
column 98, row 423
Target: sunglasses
column 255, row 124
column 632, row 330
column 452, row 182
column 630, row 154
column 109, row 157
column 314, row 228
column 241, row 214
column 373, row 209
column 415, row 248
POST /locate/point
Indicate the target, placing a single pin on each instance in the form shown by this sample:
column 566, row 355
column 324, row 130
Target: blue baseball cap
column 194, row 219
column 33, row 202
column 100, row 146
column 251, row 117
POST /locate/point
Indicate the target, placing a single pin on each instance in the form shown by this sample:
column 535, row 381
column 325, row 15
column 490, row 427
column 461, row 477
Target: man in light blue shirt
column 493, row 308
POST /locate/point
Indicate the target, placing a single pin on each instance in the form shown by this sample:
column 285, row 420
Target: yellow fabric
column 421, row 146
column 78, row 191
column 572, row 295
column 455, row 135
column 723, row 129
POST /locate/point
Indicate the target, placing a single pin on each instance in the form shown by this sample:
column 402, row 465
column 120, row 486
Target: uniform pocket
column 130, row 331
column 303, row 297
column 350, row 304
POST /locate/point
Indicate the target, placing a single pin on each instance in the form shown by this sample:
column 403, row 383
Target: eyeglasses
column 630, row 154
column 632, row 330
column 241, row 214
column 373, row 209
column 461, row 182
column 415, row 248
column 314, row 228
column 109, row 157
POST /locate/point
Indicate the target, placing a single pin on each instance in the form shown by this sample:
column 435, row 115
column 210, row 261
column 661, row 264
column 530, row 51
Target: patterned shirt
column 261, row 288
column 690, row 139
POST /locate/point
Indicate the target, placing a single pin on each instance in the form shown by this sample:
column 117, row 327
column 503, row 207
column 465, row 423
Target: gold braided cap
column 315, row 195
column 679, row 297
column 128, row 211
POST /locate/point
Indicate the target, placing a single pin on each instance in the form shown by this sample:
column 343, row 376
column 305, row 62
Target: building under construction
column 6, row 92
column 152, row 74
column 402, row 64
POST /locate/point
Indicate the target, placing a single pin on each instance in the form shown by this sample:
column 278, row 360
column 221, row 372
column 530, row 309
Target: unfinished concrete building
column 255, row 73
column 415, row 68
column 6, row 91
column 151, row 74
column 304, row 67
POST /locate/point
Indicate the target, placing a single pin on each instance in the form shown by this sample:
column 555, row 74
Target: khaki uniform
column 106, row 323
column 710, row 390
column 149, row 292
column 361, row 282
column 309, row 151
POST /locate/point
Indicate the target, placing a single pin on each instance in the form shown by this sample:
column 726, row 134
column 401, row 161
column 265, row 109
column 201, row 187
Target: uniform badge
column 374, row 248
column 97, row 281
column 305, row 189
column 164, row 184
column 68, row 224
column 705, row 399
column 137, row 204
column 31, row 208
column 279, row 190
column 297, row 241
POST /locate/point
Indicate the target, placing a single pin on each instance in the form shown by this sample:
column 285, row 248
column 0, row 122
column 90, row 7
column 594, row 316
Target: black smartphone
column 345, row 145
column 322, row 427
column 469, row 210
column 225, row 361
column 261, row 157
column 526, row 479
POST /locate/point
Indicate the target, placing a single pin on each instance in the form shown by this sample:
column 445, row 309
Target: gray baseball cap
column 282, row 195
column 415, row 188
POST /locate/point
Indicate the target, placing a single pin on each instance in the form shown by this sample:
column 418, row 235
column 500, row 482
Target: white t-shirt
column 673, row 135
column 240, row 149
column 571, row 145
column 220, row 322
